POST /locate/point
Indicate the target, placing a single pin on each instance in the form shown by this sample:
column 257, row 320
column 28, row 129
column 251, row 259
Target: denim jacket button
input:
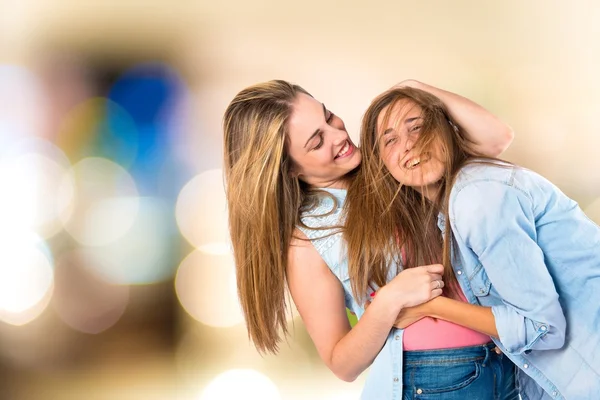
column 396, row 379
column 459, row 272
column 526, row 366
column 544, row 328
column 419, row 391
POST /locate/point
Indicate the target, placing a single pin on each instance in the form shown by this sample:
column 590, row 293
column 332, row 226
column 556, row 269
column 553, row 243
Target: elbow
column 521, row 334
column 346, row 376
column 554, row 339
column 507, row 138
column 550, row 336
column 343, row 371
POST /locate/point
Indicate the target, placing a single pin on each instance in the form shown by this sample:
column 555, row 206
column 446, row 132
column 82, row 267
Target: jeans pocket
column 452, row 378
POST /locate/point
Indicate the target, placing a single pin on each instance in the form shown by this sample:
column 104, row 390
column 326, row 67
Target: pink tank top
column 431, row 334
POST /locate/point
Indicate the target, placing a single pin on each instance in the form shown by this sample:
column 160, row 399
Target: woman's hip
column 474, row 372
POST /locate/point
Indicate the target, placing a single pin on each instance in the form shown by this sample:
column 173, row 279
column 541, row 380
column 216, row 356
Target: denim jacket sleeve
column 497, row 222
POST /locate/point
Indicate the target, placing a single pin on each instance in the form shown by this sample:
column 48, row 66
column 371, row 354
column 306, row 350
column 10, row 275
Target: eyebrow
column 318, row 130
column 406, row 122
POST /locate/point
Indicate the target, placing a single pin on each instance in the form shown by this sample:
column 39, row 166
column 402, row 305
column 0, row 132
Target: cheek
column 390, row 158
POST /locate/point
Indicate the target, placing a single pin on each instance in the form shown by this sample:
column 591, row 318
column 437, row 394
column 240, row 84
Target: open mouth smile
column 414, row 162
column 345, row 151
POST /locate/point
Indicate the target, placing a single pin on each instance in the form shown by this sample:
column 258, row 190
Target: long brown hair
column 264, row 199
column 384, row 217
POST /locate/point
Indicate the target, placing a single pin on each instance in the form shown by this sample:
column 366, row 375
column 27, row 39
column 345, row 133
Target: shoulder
column 303, row 257
column 489, row 181
column 486, row 192
column 321, row 222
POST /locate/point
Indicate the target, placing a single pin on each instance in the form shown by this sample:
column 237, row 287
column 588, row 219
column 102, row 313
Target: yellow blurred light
column 26, row 276
column 201, row 213
column 241, row 384
column 82, row 300
column 206, row 289
column 81, row 128
column 106, row 205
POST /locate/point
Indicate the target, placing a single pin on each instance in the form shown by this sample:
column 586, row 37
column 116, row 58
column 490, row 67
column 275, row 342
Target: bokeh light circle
column 31, row 197
column 26, row 276
column 106, row 204
column 205, row 287
column 201, row 213
column 101, row 128
column 241, row 384
column 82, row 300
column 144, row 254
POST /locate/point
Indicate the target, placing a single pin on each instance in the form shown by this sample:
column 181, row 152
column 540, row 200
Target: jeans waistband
column 447, row 356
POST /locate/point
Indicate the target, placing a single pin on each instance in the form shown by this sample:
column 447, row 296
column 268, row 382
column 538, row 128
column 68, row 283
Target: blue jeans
column 465, row 373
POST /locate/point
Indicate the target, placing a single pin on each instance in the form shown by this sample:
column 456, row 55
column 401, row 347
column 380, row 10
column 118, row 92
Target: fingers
column 437, row 284
column 435, row 277
column 435, row 293
column 435, row 268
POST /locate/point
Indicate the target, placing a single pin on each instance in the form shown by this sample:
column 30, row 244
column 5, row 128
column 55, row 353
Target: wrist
column 430, row 309
column 394, row 301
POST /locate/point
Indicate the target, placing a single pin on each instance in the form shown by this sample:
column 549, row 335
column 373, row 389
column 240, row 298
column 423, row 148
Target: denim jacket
column 385, row 374
column 530, row 253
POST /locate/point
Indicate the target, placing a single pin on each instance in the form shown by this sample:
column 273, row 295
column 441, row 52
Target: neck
column 340, row 183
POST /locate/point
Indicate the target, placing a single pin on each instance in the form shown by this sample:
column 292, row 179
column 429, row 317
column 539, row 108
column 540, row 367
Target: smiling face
column 318, row 144
column 398, row 129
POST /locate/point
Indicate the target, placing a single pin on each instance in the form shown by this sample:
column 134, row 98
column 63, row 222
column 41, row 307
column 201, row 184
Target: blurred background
column 116, row 277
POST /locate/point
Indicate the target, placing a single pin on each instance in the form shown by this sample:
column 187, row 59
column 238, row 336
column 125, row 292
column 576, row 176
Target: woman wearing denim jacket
column 287, row 156
column 525, row 255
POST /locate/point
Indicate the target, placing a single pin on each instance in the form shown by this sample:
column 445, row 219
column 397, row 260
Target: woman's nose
column 339, row 136
column 410, row 142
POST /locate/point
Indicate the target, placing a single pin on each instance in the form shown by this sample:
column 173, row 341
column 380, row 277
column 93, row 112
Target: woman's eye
column 390, row 141
column 318, row 146
column 415, row 128
column 330, row 117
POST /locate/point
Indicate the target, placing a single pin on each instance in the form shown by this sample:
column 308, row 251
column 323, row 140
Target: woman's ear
column 293, row 171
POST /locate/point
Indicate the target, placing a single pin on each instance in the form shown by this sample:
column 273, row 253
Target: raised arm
column 490, row 135
column 319, row 298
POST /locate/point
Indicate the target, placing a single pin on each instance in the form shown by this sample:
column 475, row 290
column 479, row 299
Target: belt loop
column 488, row 353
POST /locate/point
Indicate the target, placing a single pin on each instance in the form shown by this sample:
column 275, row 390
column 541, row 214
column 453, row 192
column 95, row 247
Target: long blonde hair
column 383, row 217
column 264, row 199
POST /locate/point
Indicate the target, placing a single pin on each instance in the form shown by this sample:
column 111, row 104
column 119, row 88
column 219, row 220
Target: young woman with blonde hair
column 521, row 260
column 288, row 162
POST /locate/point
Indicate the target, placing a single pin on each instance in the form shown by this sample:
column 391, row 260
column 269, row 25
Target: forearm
column 356, row 351
column 478, row 318
column 489, row 134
